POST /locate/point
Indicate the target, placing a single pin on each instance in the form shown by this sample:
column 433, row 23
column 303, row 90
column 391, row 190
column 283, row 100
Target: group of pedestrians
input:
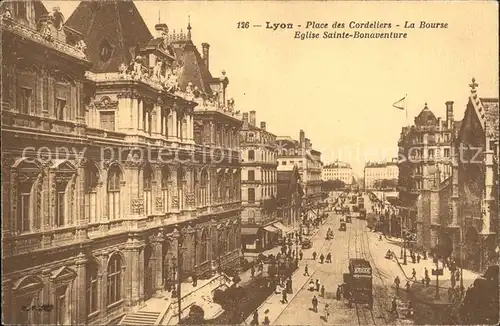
column 322, row 257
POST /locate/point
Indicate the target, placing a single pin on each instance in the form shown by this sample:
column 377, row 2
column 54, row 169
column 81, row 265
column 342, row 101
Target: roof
column 358, row 262
column 425, row 117
column 122, row 25
column 194, row 69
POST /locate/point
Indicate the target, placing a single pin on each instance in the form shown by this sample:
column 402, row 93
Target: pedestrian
column 255, row 318
column 407, row 286
column 321, row 258
column 301, row 254
column 290, row 285
column 338, row 294
column 306, row 270
column 252, row 271
column 318, row 285
column 396, row 283
column 418, row 258
column 284, row 296
column 329, row 258
column 426, row 273
column 394, row 307
column 266, row 318
column 312, row 286
column 315, row 304
column 195, row 280
column 327, row 311
column 414, row 274
column 322, row 292
column 314, row 255
column 453, row 280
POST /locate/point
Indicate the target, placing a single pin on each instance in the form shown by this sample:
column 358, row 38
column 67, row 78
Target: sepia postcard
column 250, row 162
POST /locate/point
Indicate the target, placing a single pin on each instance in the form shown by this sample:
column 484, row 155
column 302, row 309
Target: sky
column 340, row 91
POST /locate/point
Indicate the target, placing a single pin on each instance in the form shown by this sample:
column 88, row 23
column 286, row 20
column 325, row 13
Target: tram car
column 358, row 282
column 343, row 226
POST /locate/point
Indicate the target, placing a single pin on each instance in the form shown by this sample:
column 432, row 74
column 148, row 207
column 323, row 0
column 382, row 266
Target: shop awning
column 249, row 231
column 283, row 228
column 272, row 229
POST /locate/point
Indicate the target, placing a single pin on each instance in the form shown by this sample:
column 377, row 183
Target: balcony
column 100, row 133
column 37, row 37
column 121, row 78
column 26, row 121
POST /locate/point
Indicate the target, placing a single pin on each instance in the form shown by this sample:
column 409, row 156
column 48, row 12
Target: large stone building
column 308, row 161
column 338, row 171
column 376, row 172
column 110, row 177
column 424, row 160
column 258, row 185
column 289, row 196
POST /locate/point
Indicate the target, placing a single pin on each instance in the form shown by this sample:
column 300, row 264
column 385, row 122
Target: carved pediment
column 63, row 274
column 28, row 284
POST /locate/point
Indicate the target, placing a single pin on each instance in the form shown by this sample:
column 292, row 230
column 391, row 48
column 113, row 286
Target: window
column 114, row 279
column 165, row 177
column 60, row 107
column 283, row 162
column 25, row 95
column 91, row 180
column 147, row 177
column 92, row 288
column 250, row 137
column 251, row 195
column 251, row 175
column 431, row 153
column 251, row 155
column 60, row 204
column 204, row 246
column 61, row 305
column 23, row 208
column 114, row 178
column 107, row 120
column 446, row 152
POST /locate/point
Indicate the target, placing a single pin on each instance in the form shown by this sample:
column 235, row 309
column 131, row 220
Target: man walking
column 315, row 304
column 396, row 283
column 306, row 270
column 394, row 308
column 284, row 296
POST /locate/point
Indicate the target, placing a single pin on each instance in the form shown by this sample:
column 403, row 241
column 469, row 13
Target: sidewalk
column 273, row 302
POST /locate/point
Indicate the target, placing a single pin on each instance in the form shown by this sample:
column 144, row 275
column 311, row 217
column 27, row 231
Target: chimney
column 302, row 136
column 206, row 47
column 449, row 114
column 252, row 118
column 245, row 120
column 440, row 124
column 263, row 125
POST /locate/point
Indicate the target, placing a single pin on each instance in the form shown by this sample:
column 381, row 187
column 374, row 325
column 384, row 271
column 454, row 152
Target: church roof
column 112, row 30
column 425, row 117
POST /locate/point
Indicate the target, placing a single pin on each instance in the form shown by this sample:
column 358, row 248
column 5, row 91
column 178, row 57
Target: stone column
column 140, row 114
column 158, row 256
column 80, row 289
column 174, row 127
column 103, row 287
column 158, row 120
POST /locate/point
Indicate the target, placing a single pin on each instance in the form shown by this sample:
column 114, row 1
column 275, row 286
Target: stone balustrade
column 26, row 32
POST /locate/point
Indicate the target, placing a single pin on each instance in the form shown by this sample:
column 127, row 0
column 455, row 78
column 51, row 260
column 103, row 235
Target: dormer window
column 105, row 50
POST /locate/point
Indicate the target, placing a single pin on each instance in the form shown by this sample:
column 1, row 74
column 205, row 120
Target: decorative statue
column 46, row 32
column 230, row 105
column 171, row 83
column 123, row 70
column 156, row 76
column 7, row 14
column 81, row 45
column 137, row 68
column 189, row 89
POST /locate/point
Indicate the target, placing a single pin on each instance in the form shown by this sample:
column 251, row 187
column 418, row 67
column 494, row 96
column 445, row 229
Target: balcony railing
column 115, row 76
column 24, row 31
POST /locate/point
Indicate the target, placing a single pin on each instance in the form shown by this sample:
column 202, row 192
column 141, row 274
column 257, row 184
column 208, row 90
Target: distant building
column 338, row 171
column 308, row 161
column 425, row 161
column 375, row 172
column 258, row 185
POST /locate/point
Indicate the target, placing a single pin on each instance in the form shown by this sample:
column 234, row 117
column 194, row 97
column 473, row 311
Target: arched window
column 227, row 187
column 204, row 246
column 204, row 188
column 114, row 178
column 251, row 155
column 26, row 197
column 63, row 206
column 92, row 287
column 165, row 178
column 91, row 181
column 147, row 178
column 114, row 279
column 220, row 187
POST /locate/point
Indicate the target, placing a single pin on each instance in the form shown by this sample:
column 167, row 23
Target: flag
column 400, row 104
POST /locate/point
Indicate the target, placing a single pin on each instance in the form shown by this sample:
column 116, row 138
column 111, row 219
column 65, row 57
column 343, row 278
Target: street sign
column 438, row 272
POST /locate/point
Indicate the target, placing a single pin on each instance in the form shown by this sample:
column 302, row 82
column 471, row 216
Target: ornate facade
column 109, row 174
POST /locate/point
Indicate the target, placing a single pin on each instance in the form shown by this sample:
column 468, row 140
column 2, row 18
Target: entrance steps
column 141, row 318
